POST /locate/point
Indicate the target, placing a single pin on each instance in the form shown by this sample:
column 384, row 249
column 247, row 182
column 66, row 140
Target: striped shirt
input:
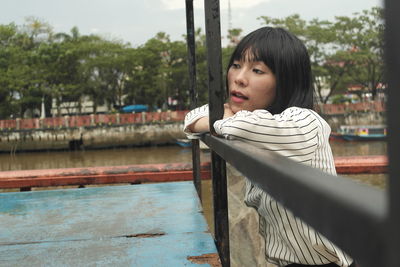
column 303, row 136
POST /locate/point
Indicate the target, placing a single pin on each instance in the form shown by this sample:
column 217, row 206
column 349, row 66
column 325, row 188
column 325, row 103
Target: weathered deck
column 137, row 225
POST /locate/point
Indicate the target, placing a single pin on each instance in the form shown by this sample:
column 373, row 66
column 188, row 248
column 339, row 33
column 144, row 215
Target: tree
column 7, row 33
column 103, row 72
column 159, row 72
column 147, row 80
column 362, row 36
column 343, row 52
column 19, row 85
column 234, row 36
column 202, row 69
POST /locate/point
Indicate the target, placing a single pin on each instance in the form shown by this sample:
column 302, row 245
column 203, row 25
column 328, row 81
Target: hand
column 228, row 111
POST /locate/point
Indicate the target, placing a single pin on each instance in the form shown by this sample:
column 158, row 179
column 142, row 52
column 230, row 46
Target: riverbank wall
column 91, row 132
column 363, row 113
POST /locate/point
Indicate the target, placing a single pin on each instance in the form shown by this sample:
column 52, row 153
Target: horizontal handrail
column 330, row 204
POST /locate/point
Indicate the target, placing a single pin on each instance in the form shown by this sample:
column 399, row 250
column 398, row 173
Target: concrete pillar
column 92, row 122
column 143, row 117
column 66, row 121
column 118, row 118
column 18, row 123
column 169, row 115
column 159, row 115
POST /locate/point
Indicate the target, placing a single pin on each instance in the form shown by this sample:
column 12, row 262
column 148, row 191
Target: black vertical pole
column 392, row 56
column 216, row 106
column 191, row 45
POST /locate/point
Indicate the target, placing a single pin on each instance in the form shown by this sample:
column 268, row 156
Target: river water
column 162, row 154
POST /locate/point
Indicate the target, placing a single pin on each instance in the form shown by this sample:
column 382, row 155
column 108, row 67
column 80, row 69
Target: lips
column 238, row 97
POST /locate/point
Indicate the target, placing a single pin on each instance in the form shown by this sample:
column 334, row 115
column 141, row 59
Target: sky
column 136, row 21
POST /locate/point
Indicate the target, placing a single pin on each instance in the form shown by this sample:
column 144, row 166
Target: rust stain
column 77, row 172
column 210, row 258
column 145, row 235
column 140, row 168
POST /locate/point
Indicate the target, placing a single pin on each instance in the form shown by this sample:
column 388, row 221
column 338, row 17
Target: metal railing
column 360, row 219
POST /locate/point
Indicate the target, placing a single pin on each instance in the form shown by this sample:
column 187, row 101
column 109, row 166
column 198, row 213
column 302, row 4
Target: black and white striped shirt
column 303, row 136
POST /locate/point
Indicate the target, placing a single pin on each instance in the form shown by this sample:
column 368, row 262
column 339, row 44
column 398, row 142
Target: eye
column 235, row 66
column 258, row 71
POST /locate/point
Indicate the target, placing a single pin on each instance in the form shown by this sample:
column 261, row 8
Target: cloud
column 242, row 4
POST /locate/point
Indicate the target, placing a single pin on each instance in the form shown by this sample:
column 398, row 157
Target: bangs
column 256, row 48
column 248, row 54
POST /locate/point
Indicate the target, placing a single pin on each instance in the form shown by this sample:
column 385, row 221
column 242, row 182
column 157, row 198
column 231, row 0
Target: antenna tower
column 229, row 15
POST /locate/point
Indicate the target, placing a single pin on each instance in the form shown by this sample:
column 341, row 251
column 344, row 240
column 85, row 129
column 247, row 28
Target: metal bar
column 214, row 59
column 191, row 44
column 339, row 208
column 216, row 106
column 196, row 166
column 392, row 60
column 220, row 204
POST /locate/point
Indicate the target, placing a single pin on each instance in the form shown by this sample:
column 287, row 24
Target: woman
column 270, row 101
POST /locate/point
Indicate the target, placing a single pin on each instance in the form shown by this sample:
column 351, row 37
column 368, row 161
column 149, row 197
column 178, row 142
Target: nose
column 241, row 78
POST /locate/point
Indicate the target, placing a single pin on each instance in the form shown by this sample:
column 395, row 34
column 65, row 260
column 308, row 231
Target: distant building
column 85, row 106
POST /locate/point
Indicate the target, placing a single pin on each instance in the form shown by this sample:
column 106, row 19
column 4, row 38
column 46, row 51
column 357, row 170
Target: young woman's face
column 252, row 85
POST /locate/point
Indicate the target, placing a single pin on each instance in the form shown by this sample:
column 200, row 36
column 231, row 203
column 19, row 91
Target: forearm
column 192, row 128
column 200, row 126
column 197, row 120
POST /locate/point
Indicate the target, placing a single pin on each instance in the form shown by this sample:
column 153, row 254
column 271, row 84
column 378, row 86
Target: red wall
column 94, row 120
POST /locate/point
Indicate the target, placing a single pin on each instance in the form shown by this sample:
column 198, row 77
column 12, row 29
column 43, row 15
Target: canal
column 161, row 154
column 145, row 155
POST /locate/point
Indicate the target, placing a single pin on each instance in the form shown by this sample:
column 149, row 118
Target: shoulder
column 295, row 133
column 302, row 114
column 292, row 121
column 296, row 112
column 308, row 119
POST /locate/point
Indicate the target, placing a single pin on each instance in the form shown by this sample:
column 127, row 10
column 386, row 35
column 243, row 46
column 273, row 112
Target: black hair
column 287, row 58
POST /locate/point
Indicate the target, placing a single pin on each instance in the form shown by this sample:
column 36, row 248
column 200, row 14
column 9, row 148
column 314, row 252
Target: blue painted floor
column 138, row 225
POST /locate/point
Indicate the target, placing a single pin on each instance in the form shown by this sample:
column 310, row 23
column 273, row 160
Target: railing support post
column 216, row 106
column 392, row 57
column 191, row 43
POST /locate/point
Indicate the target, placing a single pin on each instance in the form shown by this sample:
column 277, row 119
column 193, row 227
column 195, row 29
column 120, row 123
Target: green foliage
column 234, row 35
column 37, row 63
column 340, row 99
column 343, row 52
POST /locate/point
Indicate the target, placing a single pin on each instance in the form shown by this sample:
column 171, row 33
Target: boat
column 188, row 143
column 135, row 108
column 360, row 132
column 184, row 142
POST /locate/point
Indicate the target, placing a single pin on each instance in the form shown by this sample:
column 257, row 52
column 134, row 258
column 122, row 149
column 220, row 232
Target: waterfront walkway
column 137, row 225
